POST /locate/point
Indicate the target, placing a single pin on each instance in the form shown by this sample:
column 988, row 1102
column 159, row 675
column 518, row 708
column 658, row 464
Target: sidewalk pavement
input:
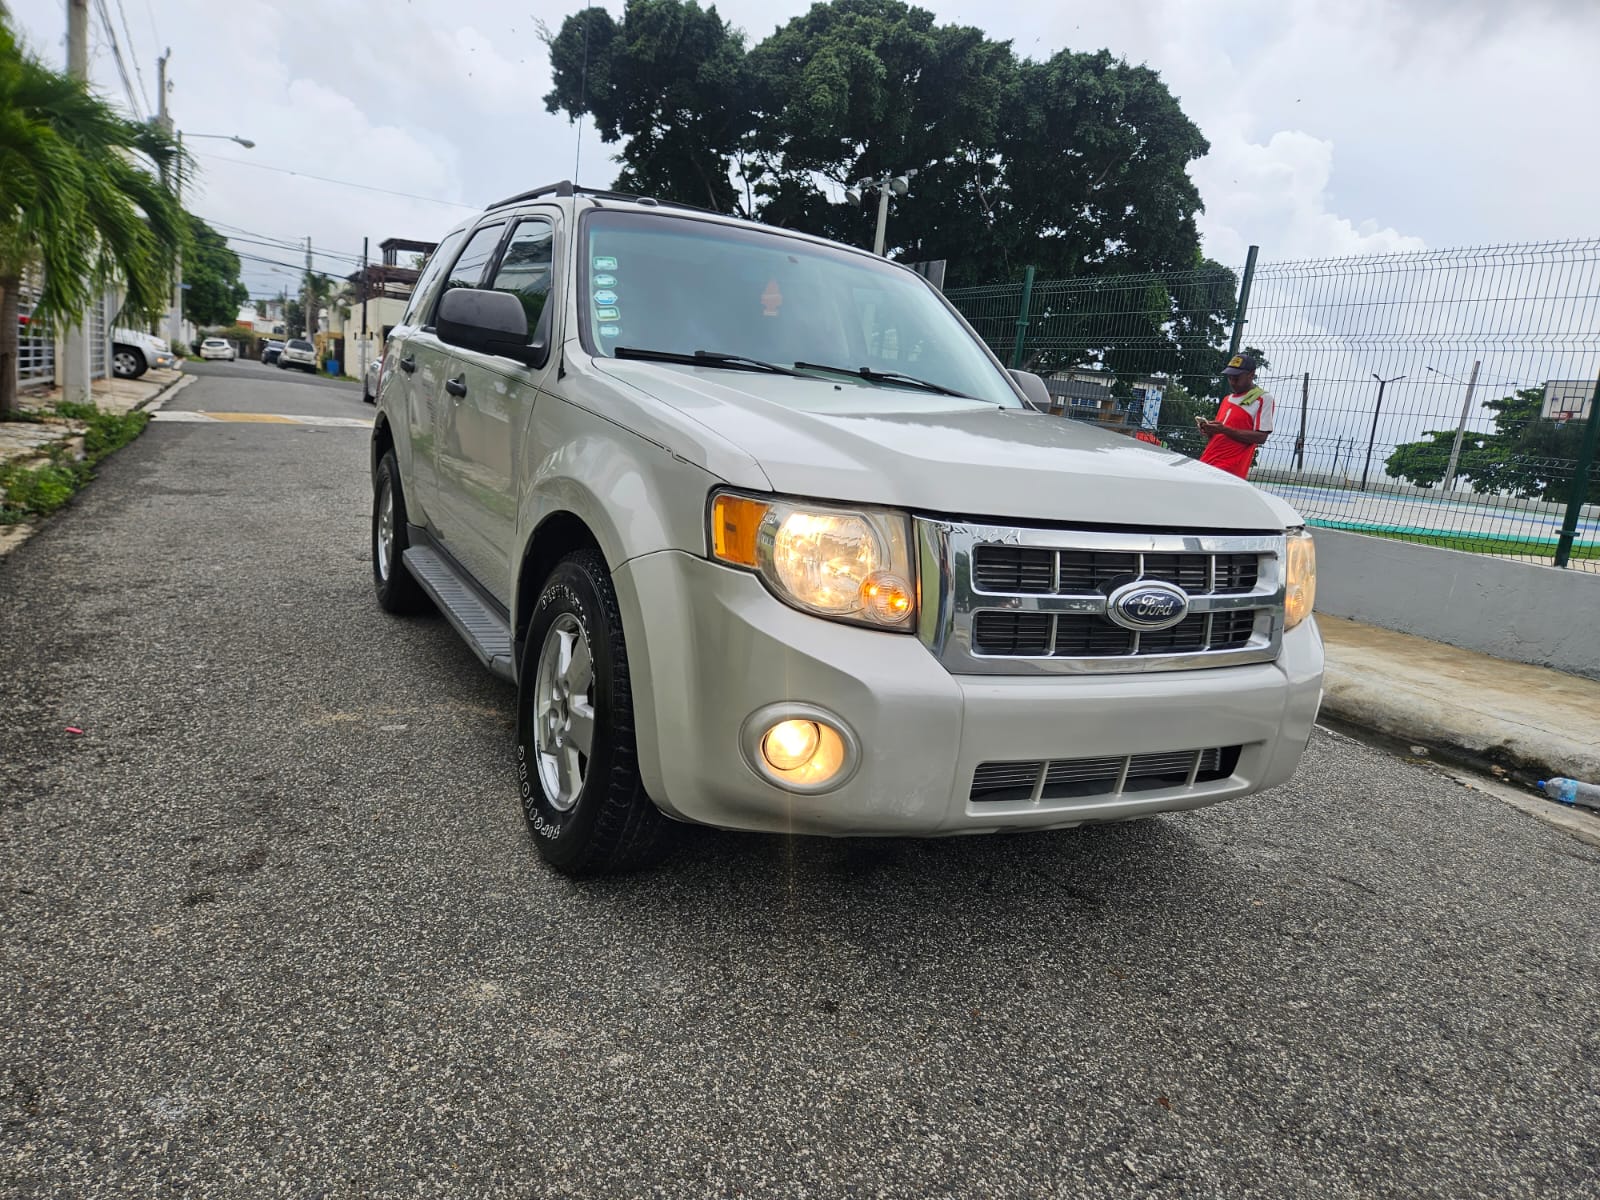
column 29, row 442
column 1530, row 722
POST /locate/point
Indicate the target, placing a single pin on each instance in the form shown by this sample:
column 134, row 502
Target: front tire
column 577, row 762
column 397, row 589
column 127, row 363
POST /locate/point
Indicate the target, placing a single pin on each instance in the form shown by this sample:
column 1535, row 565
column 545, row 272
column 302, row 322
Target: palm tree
column 78, row 199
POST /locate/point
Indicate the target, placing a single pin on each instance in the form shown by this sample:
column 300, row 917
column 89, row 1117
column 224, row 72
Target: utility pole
column 310, row 317
column 1461, row 429
column 76, row 364
column 1373, row 437
column 172, row 180
column 78, row 39
column 366, row 352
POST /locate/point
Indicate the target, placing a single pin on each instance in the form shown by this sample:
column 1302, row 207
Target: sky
column 1336, row 126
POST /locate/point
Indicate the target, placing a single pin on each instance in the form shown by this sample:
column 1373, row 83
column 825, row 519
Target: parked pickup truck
column 768, row 539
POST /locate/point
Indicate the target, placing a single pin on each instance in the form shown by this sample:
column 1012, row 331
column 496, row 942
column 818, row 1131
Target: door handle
column 456, row 387
column 408, row 364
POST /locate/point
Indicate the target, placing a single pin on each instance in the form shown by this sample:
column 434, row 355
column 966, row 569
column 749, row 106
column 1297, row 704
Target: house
column 374, row 301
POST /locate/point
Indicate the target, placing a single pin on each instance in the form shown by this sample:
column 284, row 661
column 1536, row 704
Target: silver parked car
column 371, row 379
column 768, row 539
column 297, row 352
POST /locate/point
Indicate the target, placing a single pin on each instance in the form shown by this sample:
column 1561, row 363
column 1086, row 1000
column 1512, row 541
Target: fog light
column 790, row 745
column 800, row 747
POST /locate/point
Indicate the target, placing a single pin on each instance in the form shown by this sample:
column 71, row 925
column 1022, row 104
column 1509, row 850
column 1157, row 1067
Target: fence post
column 1580, row 479
column 1244, row 301
column 1300, row 442
column 1022, row 321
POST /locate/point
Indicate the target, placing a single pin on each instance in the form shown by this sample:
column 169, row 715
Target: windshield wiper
column 872, row 376
column 702, row 358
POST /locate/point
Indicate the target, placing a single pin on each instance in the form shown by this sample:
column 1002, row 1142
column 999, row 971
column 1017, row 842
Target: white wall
column 1515, row 610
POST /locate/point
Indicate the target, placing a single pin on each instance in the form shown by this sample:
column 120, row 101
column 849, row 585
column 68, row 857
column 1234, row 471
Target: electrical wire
column 133, row 53
column 366, row 187
column 116, row 53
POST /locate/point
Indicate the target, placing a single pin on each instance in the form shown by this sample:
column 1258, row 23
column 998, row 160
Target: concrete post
column 72, row 361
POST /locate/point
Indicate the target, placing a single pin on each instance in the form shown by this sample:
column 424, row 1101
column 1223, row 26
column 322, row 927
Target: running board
column 478, row 624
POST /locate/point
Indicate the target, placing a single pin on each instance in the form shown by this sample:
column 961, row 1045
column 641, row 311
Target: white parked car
column 297, row 352
column 134, row 352
column 218, row 348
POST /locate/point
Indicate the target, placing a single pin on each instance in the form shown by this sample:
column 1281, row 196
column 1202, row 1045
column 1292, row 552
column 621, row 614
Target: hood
column 912, row 450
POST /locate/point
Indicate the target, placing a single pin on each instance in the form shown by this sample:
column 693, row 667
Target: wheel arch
column 558, row 535
column 382, row 441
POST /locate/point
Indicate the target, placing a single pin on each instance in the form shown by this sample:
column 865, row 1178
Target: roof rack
column 567, row 188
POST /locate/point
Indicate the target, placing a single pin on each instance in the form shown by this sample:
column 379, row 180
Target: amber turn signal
column 735, row 521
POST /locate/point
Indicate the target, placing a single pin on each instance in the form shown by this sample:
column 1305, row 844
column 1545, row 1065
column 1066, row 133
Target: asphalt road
column 250, row 370
column 272, row 926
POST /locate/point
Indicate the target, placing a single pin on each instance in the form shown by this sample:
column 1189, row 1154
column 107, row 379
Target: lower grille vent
column 1071, row 778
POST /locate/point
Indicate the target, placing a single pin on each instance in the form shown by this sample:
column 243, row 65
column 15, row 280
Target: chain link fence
column 1438, row 396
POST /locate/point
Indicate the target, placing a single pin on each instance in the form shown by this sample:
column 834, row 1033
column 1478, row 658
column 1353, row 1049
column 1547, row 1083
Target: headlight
column 849, row 564
column 1300, row 578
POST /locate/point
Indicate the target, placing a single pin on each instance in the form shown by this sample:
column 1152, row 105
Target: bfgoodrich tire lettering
column 609, row 824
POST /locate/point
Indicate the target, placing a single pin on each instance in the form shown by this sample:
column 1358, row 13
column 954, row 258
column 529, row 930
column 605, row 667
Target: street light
column 175, row 315
column 1373, row 436
column 1449, row 481
column 897, row 184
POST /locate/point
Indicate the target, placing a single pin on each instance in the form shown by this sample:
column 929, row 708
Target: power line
column 244, row 162
column 133, row 53
column 116, row 53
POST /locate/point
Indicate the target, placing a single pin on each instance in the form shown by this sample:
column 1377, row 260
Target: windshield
column 297, row 344
column 676, row 285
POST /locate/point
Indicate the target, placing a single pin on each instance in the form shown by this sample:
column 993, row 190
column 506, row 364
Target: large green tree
column 1526, row 455
column 80, row 201
column 211, row 270
column 1075, row 164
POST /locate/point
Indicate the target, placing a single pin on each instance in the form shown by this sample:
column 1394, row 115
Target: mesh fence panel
column 1143, row 354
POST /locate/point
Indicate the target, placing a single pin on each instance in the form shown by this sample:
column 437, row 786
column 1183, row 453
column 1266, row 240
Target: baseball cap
column 1240, row 364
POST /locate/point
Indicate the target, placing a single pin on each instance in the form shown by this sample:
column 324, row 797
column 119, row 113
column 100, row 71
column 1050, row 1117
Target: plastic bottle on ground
column 1572, row 791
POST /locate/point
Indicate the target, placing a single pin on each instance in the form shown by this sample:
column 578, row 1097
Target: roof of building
column 1076, row 389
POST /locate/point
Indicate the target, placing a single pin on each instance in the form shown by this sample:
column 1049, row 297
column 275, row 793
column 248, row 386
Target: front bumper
column 709, row 645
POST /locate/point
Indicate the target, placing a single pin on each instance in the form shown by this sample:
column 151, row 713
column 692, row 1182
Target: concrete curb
column 154, row 403
column 1453, row 733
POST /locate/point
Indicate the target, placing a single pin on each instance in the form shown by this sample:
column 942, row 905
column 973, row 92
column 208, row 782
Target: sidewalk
column 28, row 443
column 1531, row 721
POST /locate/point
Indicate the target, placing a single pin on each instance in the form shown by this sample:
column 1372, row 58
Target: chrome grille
column 1075, row 778
column 1003, row 600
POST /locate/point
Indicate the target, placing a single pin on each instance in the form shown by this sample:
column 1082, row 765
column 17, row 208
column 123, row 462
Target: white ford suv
column 768, row 539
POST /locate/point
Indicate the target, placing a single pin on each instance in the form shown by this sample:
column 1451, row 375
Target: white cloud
column 1337, row 126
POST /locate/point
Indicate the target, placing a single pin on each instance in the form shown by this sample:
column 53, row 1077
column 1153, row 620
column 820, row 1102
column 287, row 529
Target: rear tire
column 577, row 762
column 397, row 589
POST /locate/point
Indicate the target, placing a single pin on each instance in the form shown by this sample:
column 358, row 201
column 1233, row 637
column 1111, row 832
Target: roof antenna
column 583, row 92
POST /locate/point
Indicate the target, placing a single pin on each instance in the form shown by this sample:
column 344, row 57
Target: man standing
column 1243, row 421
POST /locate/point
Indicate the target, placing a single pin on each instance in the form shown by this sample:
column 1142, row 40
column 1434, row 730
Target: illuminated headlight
column 848, row 564
column 1300, row 578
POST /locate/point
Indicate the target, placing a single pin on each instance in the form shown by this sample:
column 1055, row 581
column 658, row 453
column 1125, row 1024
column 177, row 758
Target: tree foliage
column 1075, row 164
column 1525, row 456
column 211, row 270
column 79, row 199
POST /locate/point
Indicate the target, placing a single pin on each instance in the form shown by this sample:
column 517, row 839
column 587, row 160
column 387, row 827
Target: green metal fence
column 1439, row 396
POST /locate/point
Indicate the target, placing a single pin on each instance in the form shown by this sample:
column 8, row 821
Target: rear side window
column 525, row 267
column 468, row 269
column 422, row 293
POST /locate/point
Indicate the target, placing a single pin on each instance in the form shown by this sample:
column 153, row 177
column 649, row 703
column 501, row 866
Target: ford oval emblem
column 1147, row 605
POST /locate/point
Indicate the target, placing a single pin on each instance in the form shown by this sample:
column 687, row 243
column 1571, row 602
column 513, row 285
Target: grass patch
column 1504, row 546
column 37, row 491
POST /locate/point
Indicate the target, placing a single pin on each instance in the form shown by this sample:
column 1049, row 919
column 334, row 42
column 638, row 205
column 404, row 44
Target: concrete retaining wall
column 1509, row 609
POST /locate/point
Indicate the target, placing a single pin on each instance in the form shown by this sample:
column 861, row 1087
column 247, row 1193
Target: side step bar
column 479, row 625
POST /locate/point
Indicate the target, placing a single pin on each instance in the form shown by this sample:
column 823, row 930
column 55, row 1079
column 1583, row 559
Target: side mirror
column 1033, row 390
column 488, row 322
